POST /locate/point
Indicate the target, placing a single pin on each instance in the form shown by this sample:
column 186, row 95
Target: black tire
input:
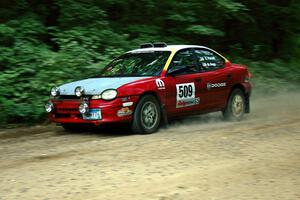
column 236, row 106
column 147, row 115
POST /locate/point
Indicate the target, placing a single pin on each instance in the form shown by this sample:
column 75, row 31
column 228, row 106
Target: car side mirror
column 176, row 71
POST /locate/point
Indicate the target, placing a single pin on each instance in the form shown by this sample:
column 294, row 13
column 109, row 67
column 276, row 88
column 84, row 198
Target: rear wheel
column 147, row 115
column 236, row 105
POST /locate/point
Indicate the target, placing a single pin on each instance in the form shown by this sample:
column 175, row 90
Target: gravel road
column 195, row 158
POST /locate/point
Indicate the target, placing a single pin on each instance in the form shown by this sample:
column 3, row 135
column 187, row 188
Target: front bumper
column 66, row 111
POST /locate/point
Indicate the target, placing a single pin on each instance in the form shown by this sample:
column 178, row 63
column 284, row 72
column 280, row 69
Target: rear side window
column 208, row 60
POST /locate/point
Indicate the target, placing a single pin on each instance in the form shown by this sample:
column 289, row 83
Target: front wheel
column 146, row 118
column 236, row 105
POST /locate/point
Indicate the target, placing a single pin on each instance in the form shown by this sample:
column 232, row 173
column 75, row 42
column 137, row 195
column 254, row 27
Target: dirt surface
column 196, row 158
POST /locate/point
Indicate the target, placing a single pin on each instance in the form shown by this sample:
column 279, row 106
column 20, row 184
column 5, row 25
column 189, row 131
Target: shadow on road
column 111, row 130
column 107, row 131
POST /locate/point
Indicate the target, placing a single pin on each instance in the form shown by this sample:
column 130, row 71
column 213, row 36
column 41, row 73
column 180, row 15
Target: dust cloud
column 262, row 107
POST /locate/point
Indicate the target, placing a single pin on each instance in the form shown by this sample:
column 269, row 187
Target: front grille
column 67, row 107
column 67, row 116
column 67, row 110
column 62, row 97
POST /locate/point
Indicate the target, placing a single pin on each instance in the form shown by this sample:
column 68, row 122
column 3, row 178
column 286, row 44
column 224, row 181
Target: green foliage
column 205, row 30
column 6, row 35
column 48, row 43
column 80, row 14
column 231, row 7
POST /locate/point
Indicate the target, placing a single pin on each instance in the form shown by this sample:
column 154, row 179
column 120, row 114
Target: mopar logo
column 215, row 85
column 160, row 84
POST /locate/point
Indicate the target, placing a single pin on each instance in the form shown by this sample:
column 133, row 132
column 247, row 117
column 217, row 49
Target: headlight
column 55, row 91
column 83, row 108
column 49, row 107
column 79, row 91
column 109, row 94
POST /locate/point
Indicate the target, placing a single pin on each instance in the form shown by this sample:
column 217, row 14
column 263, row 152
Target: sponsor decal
column 207, row 58
column 209, row 86
column 209, row 64
column 160, row 84
column 186, row 95
column 124, row 112
column 188, row 102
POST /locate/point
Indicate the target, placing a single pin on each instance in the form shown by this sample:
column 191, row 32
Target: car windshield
column 137, row 64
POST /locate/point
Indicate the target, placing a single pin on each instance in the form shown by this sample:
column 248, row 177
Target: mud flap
column 164, row 116
column 247, row 99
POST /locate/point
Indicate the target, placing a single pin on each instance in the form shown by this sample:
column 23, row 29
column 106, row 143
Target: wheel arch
column 150, row 93
column 161, row 104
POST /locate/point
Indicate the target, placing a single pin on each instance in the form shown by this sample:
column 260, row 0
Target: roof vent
column 146, row 45
column 155, row 44
column 159, row 44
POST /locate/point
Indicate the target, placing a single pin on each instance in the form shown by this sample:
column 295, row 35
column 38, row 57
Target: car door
column 182, row 90
column 215, row 77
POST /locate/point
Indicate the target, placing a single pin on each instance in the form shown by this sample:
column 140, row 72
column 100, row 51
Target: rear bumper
column 66, row 111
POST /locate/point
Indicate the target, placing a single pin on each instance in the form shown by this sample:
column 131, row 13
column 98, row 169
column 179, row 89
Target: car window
column 184, row 59
column 137, row 64
column 208, row 60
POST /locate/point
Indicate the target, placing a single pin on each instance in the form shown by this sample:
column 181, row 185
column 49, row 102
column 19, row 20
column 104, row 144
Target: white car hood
column 95, row 86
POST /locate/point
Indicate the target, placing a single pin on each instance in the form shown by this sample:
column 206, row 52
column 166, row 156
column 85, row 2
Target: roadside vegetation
column 50, row 42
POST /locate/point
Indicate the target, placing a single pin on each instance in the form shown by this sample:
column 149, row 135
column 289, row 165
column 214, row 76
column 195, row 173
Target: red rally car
column 151, row 84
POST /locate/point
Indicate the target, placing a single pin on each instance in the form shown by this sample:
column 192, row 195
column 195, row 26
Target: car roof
column 167, row 48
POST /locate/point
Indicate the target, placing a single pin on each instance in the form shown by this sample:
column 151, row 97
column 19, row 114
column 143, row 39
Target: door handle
column 198, row 80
